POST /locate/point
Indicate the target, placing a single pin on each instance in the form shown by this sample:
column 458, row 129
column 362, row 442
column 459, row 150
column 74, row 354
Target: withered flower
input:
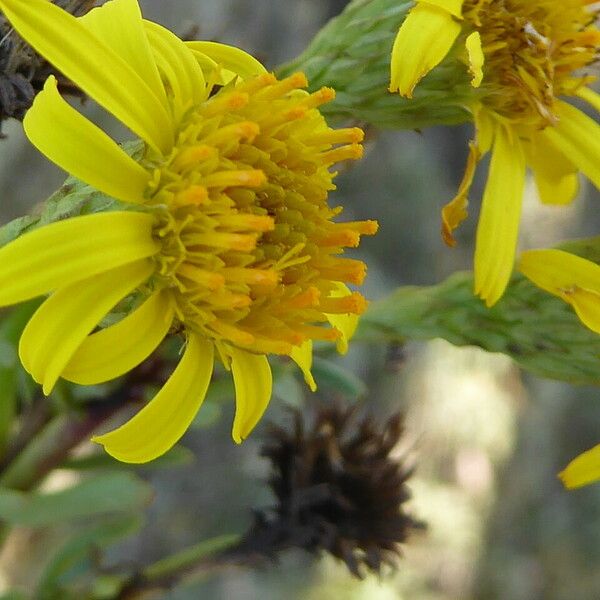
column 338, row 490
column 23, row 71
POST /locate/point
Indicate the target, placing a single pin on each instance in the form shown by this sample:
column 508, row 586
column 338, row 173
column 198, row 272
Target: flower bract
column 225, row 234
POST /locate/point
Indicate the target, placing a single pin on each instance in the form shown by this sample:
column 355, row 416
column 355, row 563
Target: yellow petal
column 345, row 324
column 455, row 212
column 577, row 136
column 162, row 422
column 556, row 270
column 62, row 253
column 97, row 69
column 476, row 58
column 587, row 306
column 213, row 74
column 82, row 149
column 66, row 318
column 590, row 96
column 572, row 278
column 253, row 386
column 119, row 25
column 582, row 470
column 117, row 349
column 422, row 42
column 302, row 356
column 178, row 65
column 555, row 175
column 485, row 127
column 498, row 225
column 229, row 57
column 454, row 7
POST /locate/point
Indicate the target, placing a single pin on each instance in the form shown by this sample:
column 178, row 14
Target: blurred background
column 487, row 441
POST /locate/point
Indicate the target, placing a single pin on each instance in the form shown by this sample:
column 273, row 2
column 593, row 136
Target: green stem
column 212, row 553
column 49, row 448
column 188, row 558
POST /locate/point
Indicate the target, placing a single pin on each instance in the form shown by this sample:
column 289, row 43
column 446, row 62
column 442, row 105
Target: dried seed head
column 338, row 490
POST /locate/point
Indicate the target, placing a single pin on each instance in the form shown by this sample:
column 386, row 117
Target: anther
column 353, row 304
column 223, row 103
column 191, row 156
column 248, row 178
column 208, row 279
column 248, row 222
column 195, row 194
column 233, row 241
column 232, row 333
column 350, row 135
column 351, row 152
column 251, row 276
column 283, row 87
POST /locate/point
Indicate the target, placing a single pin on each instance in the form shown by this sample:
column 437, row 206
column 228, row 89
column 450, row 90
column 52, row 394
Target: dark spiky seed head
column 338, row 489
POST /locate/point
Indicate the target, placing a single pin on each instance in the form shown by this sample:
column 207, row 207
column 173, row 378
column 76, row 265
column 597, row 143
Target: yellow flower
column 577, row 281
column 522, row 56
column 582, row 470
column 226, row 236
column 574, row 279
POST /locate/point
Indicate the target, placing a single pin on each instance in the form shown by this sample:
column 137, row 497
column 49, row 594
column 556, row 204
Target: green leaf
column 330, row 376
column 11, row 327
column 539, row 331
column 208, row 415
column 14, row 595
column 76, row 556
column 288, row 388
column 109, row 493
column 221, row 389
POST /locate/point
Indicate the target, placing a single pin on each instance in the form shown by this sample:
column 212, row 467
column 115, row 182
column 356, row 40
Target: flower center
column 249, row 248
column 532, row 49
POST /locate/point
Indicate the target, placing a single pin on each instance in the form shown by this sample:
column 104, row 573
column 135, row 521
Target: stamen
column 326, row 334
column 245, row 130
column 308, row 298
column 235, row 241
column 319, row 98
column 224, row 104
column 248, row 222
column 337, row 136
column 353, row 304
column 232, row 333
column 195, row 194
column 212, row 281
column 347, row 270
column 363, row 227
column 351, row 152
column 189, row 157
column 252, row 86
column 283, row 87
column 250, row 178
column 224, row 300
column 266, row 346
column 251, row 276
column 342, row 237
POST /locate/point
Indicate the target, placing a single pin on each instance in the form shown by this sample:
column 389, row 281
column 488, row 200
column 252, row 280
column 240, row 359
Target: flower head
column 522, row 57
column 338, row 490
column 225, row 234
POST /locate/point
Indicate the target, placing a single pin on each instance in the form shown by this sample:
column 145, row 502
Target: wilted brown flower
column 23, row 72
column 338, row 490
